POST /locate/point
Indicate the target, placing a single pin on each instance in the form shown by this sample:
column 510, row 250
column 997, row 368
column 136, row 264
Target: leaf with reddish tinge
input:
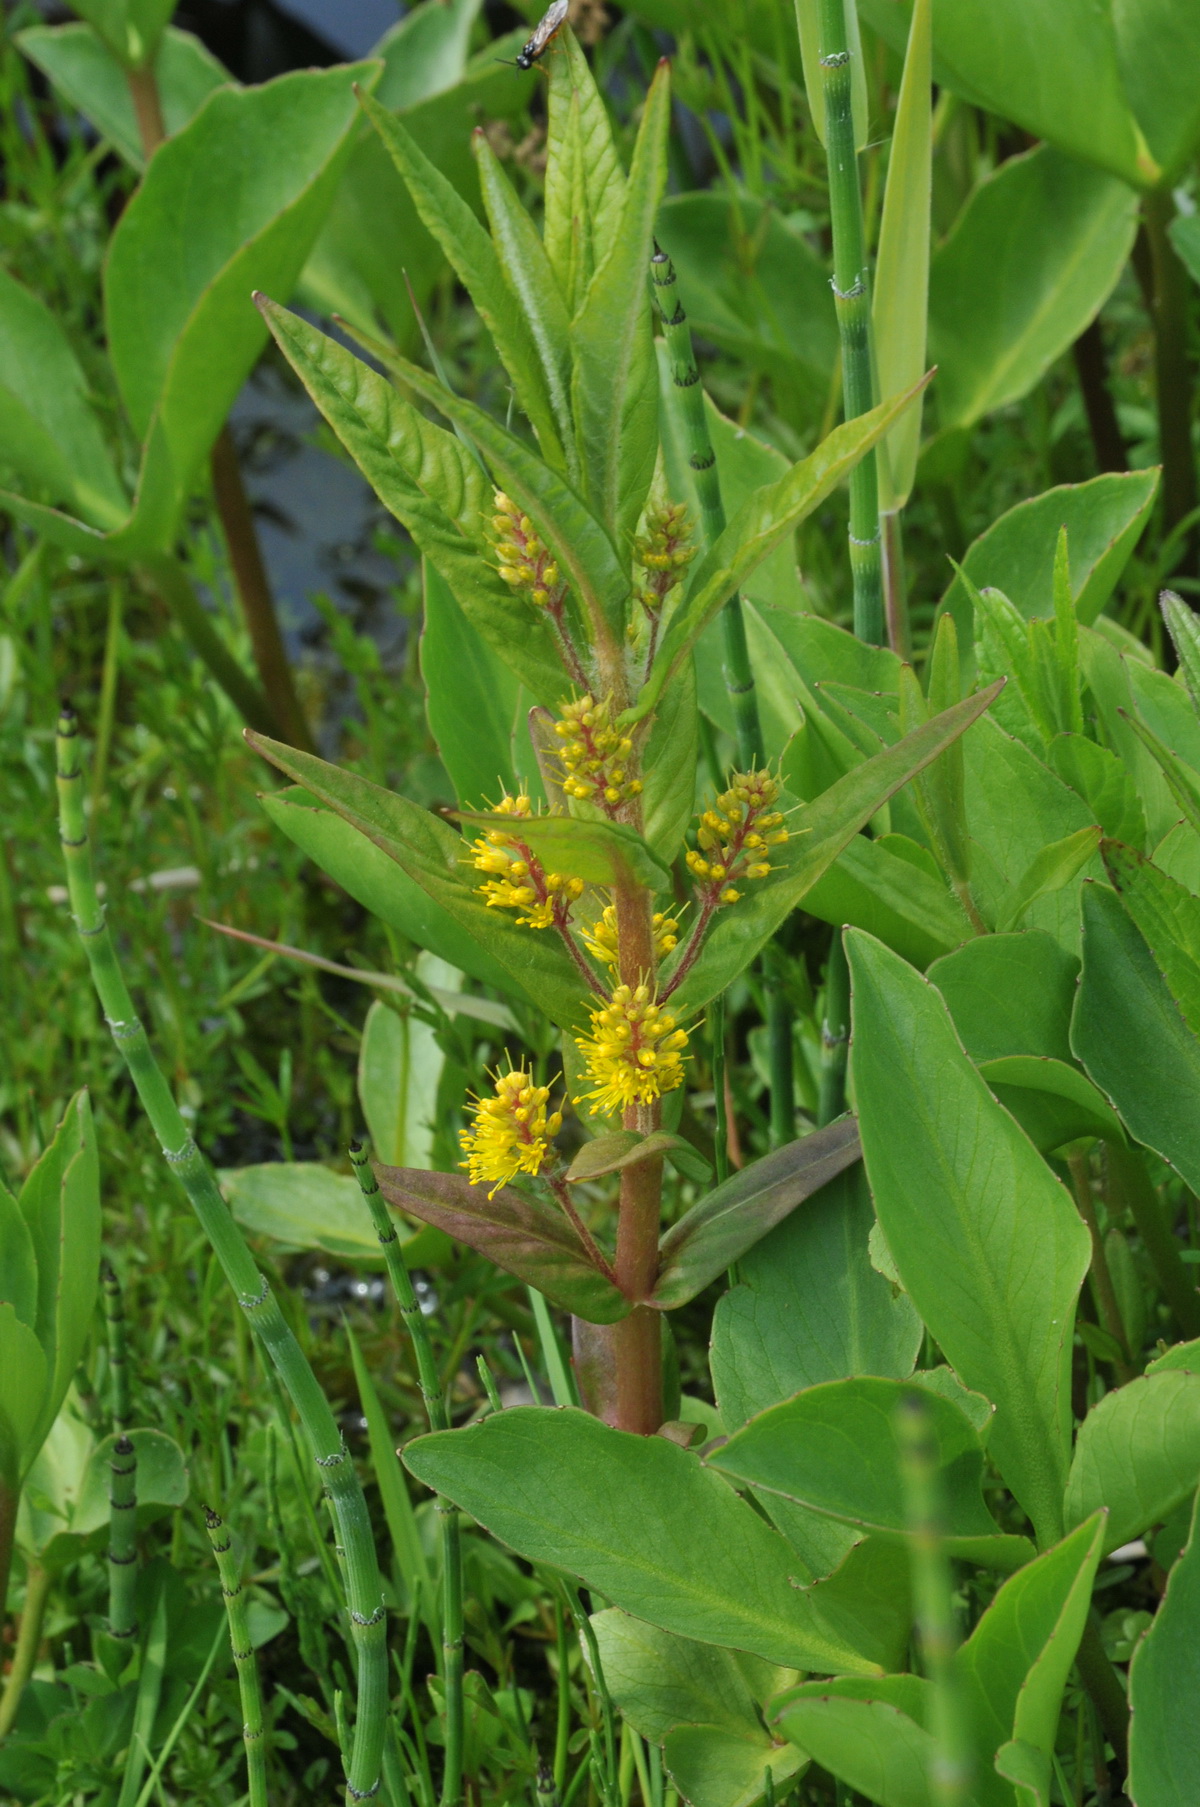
column 624, row 1148
column 521, row 1235
column 733, row 1217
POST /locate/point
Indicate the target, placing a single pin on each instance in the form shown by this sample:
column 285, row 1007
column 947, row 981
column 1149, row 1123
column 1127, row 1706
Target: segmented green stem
column 253, row 1729
column 118, row 1355
column 364, row 1589
column 933, row 1604
column 739, row 676
column 122, row 1540
column 852, row 295
column 439, row 1420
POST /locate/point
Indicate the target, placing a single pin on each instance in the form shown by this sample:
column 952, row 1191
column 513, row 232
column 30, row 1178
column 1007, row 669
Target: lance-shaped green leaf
column 834, row 1449
column 876, row 885
column 713, row 1767
column 585, row 184
column 60, row 1202
column 233, row 202
column 871, row 1735
column 305, row 1205
column 130, row 28
column 818, row 835
column 435, row 857
column 1013, row 1668
column 1138, row 1454
column 1050, row 870
column 526, row 267
column 585, row 554
column 986, row 1241
column 762, row 522
column 600, row 853
column 1164, row 1736
column 623, row 1148
column 1128, row 1030
column 48, row 433
column 900, row 291
column 432, row 485
column 1181, row 779
column 1168, row 917
column 88, row 76
column 473, row 257
column 22, row 1405
column 738, row 1213
column 1052, row 1100
column 561, row 1487
column 1185, row 637
column 614, row 388
column 522, row 1235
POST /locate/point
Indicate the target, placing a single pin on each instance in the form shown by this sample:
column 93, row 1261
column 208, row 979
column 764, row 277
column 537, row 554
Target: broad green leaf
column 1054, row 70
column 1013, row 1668
column 1168, row 918
column 900, row 291
column 233, row 203
column 835, row 1449
column 1138, row 1454
column 669, row 767
column 903, row 904
column 825, row 653
column 659, row 1681
column 1105, row 783
column 473, row 257
column 585, row 184
column 614, row 385
column 1010, row 994
column 1027, row 1769
column 599, row 852
column 751, row 285
column 1158, row 47
column 738, row 1213
column 713, row 1767
column 472, row 701
column 382, row 886
column 1035, row 253
column 1164, row 1741
column 71, row 1482
column 130, row 28
column 305, row 1205
column 399, row 1069
column 162, row 1479
column 868, row 1592
column 1051, row 1100
column 809, row 1307
column 522, row 257
column 1180, row 1355
column 18, row 1263
column 437, row 858
column 808, row 29
column 525, row 1236
column 871, row 1744
column 89, row 77
column 432, row 485
column 986, row 1241
column 49, row 434
column 818, row 835
column 756, row 528
column 22, row 1404
column 60, row 1202
column 563, row 1488
column 1049, row 870
column 1128, row 1031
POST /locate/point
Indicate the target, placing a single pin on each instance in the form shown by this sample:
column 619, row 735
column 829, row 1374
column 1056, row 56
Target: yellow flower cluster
column 601, row 939
column 593, row 754
column 664, row 552
column 634, row 1052
column 511, row 1132
column 518, row 879
column 525, row 564
column 736, row 835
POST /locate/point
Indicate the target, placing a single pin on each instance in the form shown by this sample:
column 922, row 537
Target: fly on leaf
column 545, row 34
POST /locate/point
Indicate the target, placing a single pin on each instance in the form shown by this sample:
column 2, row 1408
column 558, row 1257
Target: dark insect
column 545, row 34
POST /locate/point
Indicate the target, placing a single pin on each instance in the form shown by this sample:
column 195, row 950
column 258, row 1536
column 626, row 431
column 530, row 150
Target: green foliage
column 1164, row 1754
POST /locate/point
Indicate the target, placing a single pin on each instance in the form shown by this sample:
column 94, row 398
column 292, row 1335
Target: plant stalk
column 122, row 1541
column 168, row 580
column 118, row 1353
column 249, row 1687
column 1103, row 1291
column 108, row 687
column 250, row 1286
column 852, row 296
column 147, row 108
column 1091, row 367
column 37, row 1592
column 1172, row 365
column 439, row 1420
column 1105, row 1687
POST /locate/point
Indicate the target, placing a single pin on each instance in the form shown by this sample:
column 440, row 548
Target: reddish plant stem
column 562, row 1193
column 147, row 108
column 585, row 972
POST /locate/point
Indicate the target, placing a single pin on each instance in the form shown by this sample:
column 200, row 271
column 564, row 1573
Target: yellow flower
column 594, row 754
column 663, row 552
column 634, row 1052
column 525, row 564
column 518, row 880
column 511, row 1133
column 601, row 939
column 736, row 835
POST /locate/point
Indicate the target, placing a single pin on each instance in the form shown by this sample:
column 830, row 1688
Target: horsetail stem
column 739, row 675
column 851, row 293
column 122, row 1540
column 253, row 1729
column 118, row 1353
column 439, row 1420
column 364, row 1589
